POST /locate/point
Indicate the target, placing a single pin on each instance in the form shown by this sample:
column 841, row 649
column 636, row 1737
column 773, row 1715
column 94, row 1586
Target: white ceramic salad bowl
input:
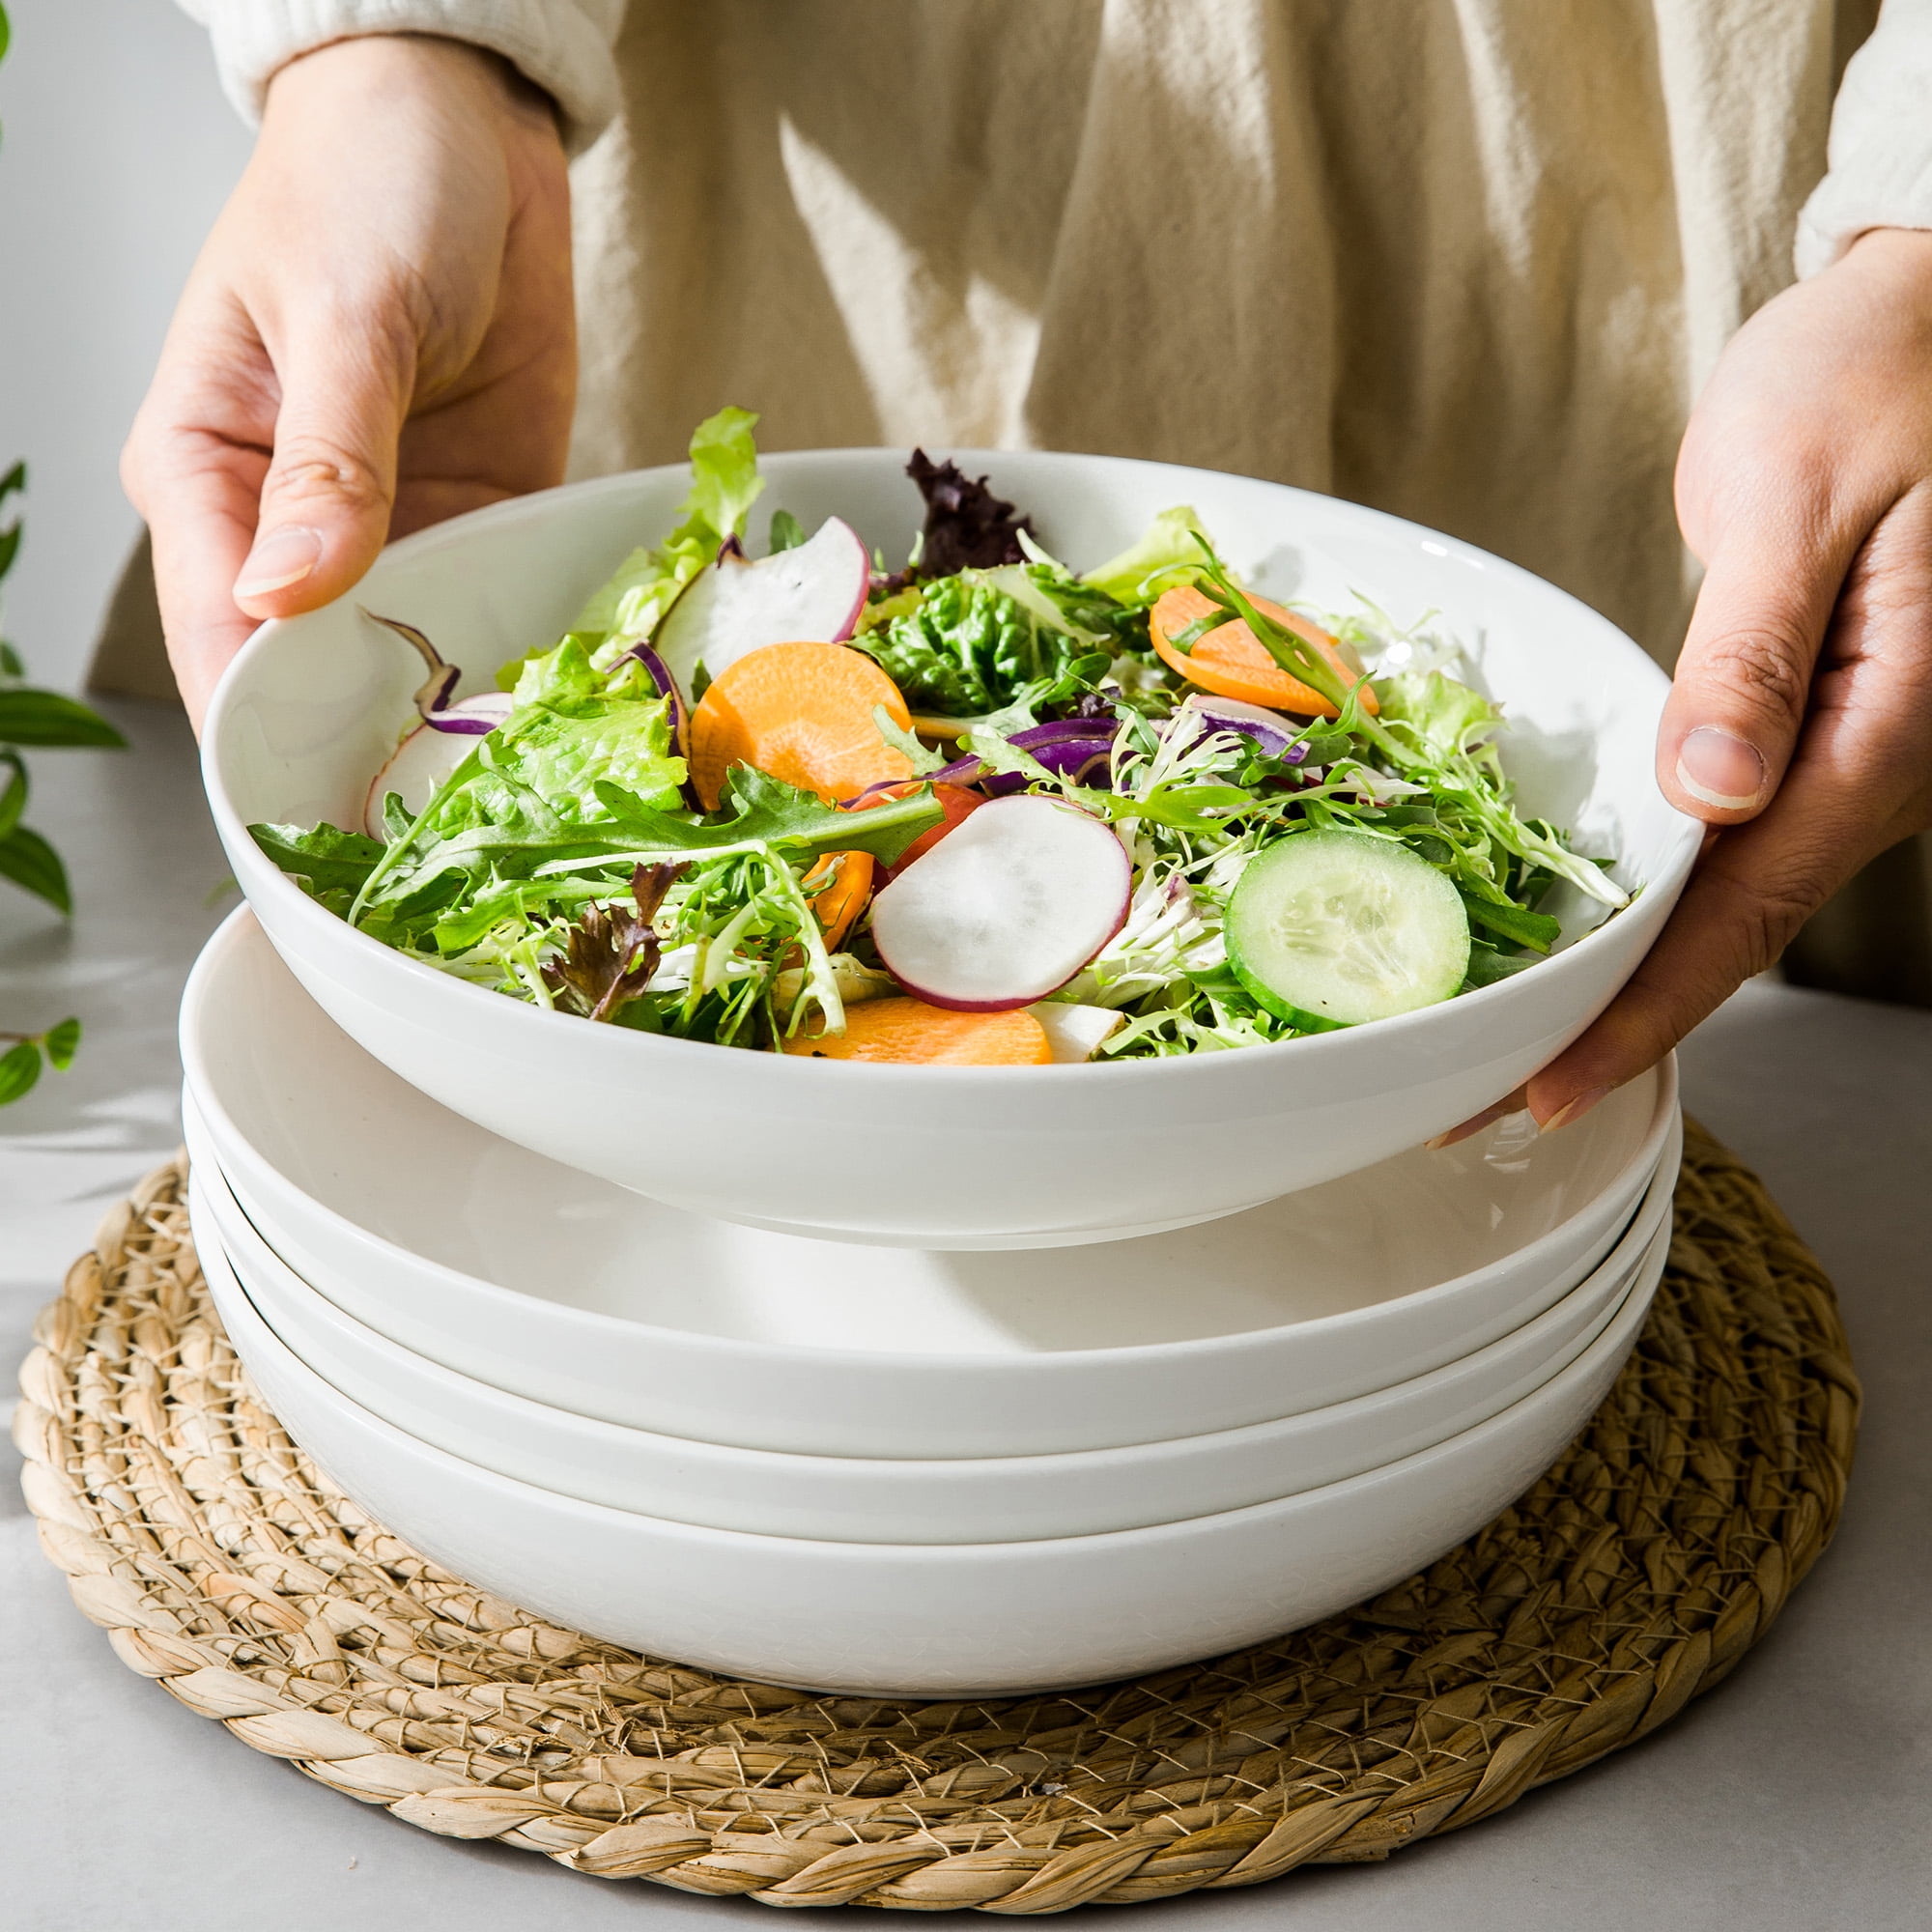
column 546, row 1282
column 1007, row 1498
column 930, row 1620
column 944, row 1157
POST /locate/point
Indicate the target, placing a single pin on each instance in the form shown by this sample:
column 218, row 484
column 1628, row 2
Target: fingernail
column 1476, row 1122
column 1718, row 767
column 1573, row 1111
column 280, row 557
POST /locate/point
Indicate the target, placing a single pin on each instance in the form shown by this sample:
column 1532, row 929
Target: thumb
column 1742, row 680
column 326, row 501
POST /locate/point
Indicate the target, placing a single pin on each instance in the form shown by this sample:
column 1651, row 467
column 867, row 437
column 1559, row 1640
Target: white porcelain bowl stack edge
column 1031, row 1470
column 911, row 1381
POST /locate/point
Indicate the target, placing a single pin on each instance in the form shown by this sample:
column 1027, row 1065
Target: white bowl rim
column 875, row 1076
column 1613, row 1335
column 199, row 1095
column 1625, row 1260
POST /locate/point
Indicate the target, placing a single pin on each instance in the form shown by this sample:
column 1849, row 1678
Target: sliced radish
column 430, row 752
column 956, row 801
column 1076, row 1032
column 811, row 594
column 1005, row 909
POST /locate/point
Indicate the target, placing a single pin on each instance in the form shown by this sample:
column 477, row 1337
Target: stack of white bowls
column 915, row 1380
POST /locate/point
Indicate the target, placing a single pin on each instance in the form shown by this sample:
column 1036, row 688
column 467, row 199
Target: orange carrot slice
column 1232, row 662
column 845, row 899
column 956, row 801
column 915, row 1035
column 802, row 713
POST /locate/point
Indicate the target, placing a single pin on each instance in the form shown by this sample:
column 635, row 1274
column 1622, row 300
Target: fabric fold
column 562, row 47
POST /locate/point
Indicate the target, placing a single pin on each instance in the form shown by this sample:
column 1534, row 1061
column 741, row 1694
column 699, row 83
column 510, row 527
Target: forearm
column 562, row 47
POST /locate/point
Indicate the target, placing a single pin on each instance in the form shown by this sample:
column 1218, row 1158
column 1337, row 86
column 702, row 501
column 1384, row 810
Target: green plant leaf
column 62, row 1042
column 10, row 661
column 19, row 1069
column 16, row 477
column 35, row 867
column 13, row 800
column 32, row 717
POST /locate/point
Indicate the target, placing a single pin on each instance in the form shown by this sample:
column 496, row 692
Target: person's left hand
column 1800, row 724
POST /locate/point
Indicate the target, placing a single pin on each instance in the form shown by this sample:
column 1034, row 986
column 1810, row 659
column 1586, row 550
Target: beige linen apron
column 1465, row 260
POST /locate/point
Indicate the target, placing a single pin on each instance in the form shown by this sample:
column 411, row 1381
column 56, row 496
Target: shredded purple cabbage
column 433, row 694
column 1080, row 749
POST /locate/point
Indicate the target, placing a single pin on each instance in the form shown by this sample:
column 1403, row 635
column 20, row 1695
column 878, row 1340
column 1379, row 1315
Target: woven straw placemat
column 1631, row 1578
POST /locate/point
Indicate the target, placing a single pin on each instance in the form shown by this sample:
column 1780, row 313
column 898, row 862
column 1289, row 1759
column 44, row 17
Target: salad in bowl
column 983, row 807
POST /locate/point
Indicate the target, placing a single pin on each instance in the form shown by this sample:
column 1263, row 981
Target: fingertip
column 1567, row 1113
column 1511, row 1103
column 280, row 559
column 296, row 568
column 1715, row 774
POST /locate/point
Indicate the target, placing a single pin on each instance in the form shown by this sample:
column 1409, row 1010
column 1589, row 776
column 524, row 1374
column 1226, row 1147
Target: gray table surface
column 1797, row 1796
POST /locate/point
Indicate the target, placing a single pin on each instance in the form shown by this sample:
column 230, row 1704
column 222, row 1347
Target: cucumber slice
column 1340, row 927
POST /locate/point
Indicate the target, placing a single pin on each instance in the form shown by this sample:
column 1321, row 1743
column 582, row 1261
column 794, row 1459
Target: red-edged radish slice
column 430, row 752
column 811, row 594
column 1075, row 1032
column 1008, row 906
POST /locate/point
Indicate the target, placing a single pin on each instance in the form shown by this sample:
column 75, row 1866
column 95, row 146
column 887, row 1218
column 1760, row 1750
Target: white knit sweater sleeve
column 562, row 45
column 1880, row 148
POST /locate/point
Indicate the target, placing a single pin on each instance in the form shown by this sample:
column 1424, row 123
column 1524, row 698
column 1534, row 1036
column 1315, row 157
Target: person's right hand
column 379, row 333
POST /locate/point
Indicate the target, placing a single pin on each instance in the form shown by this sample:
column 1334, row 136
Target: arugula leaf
column 327, row 854
column 1487, row 965
column 767, row 814
column 1537, row 931
column 787, row 532
column 905, row 743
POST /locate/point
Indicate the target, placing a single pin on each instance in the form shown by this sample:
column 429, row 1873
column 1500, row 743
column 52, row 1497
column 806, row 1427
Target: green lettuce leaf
column 971, row 646
column 1167, row 544
column 528, row 792
column 572, row 731
column 1442, row 713
column 725, row 484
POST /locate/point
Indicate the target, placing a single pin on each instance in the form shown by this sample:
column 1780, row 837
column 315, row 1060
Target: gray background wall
column 117, row 150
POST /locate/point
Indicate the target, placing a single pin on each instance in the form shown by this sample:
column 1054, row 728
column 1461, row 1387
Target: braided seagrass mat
column 1633, row 1576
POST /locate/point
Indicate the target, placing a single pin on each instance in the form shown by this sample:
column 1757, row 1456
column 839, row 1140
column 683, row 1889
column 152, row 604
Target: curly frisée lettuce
column 1284, row 873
